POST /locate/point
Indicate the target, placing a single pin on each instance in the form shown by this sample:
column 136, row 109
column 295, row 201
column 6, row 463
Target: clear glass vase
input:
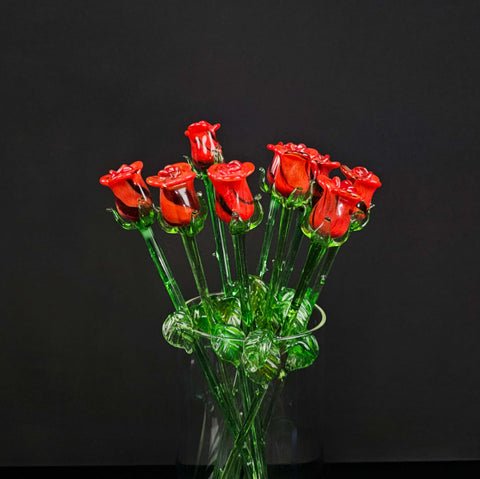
column 285, row 437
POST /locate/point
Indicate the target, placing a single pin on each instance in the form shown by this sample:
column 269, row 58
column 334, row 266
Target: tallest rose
column 205, row 148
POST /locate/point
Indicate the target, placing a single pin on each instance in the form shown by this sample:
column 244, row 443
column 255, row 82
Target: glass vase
column 283, row 435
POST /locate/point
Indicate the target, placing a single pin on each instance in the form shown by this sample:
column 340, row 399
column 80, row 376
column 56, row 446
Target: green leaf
column 177, row 331
column 301, row 352
column 228, row 311
column 261, row 356
column 228, row 343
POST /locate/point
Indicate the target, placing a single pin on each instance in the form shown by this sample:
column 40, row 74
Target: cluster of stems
column 247, row 453
column 247, row 456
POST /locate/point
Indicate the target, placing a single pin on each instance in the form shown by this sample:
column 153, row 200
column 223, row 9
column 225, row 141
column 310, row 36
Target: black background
column 86, row 375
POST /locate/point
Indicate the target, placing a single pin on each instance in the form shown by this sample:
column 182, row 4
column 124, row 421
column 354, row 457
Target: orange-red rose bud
column 290, row 168
column 178, row 198
column 330, row 216
column 232, row 193
column 204, row 145
column 364, row 181
column 129, row 189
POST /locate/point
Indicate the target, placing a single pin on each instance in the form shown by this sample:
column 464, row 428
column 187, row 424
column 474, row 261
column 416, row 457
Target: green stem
column 219, row 235
column 195, row 260
column 176, row 296
column 315, row 253
column 285, row 220
column 247, row 393
column 228, row 409
column 324, row 270
column 267, row 238
column 242, row 278
column 275, row 395
column 240, row 438
column 292, row 250
column 224, row 400
column 235, row 469
column 164, row 270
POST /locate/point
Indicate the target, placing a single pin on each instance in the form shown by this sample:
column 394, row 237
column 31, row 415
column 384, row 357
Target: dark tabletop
column 444, row 469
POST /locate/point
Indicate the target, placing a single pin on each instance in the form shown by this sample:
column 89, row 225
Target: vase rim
column 321, row 322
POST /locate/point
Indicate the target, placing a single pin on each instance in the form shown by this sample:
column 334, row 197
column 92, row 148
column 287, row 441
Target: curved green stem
column 267, row 238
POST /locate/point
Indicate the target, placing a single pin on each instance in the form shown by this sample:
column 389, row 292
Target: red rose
column 129, row 189
column 232, row 194
column 178, row 198
column 290, row 168
column 330, row 216
column 364, row 181
column 205, row 147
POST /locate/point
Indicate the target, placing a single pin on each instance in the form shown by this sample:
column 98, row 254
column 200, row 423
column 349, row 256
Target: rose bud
column 204, row 144
column 290, row 168
column 364, row 181
column 232, row 194
column 330, row 217
column 129, row 189
column 178, row 198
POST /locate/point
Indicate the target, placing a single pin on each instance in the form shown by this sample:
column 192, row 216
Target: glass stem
column 285, row 220
column 278, row 387
column 223, row 398
column 221, row 252
column 267, row 238
column 292, row 250
column 242, row 278
column 244, row 287
column 164, row 270
column 324, row 269
column 228, row 409
column 244, row 431
column 315, row 253
column 195, row 260
column 255, row 446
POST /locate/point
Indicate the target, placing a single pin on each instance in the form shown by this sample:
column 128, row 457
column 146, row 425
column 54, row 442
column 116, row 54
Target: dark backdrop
column 86, row 375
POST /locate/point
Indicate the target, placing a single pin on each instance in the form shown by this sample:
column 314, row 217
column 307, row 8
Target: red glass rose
column 129, row 189
column 364, row 181
column 204, row 144
column 290, row 168
column 178, row 198
column 232, row 194
column 330, row 216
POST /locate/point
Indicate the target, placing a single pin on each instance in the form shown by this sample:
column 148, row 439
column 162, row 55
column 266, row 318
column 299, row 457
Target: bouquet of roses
column 259, row 328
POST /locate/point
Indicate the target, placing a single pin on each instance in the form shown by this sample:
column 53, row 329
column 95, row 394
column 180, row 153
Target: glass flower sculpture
column 259, row 330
